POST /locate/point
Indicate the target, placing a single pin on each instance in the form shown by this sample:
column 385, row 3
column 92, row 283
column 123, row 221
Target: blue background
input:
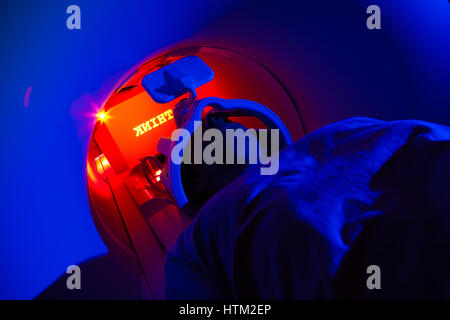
column 45, row 222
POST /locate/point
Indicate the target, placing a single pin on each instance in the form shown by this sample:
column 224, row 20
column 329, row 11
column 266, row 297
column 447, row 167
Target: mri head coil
column 184, row 76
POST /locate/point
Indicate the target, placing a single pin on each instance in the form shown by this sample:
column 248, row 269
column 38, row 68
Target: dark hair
column 202, row 181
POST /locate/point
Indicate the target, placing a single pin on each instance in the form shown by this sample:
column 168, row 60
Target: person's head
column 202, row 181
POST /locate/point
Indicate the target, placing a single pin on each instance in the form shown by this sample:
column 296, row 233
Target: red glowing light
column 157, row 175
column 102, row 164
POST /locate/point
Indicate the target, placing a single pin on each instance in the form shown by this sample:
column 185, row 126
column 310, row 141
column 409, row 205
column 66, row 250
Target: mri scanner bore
column 141, row 197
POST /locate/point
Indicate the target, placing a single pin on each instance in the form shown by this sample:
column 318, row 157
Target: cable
column 158, row 165
column 141, row 267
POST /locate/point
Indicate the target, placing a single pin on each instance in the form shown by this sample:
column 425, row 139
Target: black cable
column 152, row 184
column 141, row 267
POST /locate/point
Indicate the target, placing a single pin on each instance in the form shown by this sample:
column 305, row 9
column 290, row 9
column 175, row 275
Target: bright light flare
column 101, row 116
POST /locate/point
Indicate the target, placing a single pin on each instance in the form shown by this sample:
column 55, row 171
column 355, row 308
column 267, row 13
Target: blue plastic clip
column 177, row 78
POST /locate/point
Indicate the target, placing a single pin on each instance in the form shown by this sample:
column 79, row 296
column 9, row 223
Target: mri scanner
column 268, row 57
column 134, row 211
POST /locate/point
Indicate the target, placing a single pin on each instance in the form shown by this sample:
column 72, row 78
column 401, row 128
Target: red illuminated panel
column 154, row 122
column 135, row 126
